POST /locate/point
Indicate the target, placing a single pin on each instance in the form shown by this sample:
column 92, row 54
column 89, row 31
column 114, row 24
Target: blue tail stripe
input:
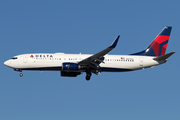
column 160, row 47
column 166, row 31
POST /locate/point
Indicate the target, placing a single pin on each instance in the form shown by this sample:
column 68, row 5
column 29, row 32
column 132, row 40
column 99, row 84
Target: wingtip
column 113, row 45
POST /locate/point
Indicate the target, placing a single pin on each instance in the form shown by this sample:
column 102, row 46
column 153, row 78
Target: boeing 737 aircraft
column 72, row 65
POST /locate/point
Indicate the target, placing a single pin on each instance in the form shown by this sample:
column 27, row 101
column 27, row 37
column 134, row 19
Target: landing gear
column 88, row 75
column 21, row 74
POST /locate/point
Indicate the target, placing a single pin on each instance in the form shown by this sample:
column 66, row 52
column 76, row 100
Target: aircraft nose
column 7, row 63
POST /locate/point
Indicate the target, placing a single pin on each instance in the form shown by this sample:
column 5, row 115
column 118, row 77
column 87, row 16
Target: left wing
column 94, row 60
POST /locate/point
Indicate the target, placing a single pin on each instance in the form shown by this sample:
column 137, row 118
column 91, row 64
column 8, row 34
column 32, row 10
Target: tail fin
column 159, row 44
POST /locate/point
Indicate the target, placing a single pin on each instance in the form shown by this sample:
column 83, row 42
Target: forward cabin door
column 140, row 61
column 25, row 58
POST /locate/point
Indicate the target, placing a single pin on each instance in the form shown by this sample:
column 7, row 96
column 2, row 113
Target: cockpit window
column 14, row 58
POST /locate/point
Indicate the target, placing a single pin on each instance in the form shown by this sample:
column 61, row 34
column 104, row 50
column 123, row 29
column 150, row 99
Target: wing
column 94, row 60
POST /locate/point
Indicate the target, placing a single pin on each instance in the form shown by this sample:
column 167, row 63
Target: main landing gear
column 88, row 75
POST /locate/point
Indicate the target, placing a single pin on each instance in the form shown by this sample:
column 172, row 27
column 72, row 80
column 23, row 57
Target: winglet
column 113, row 45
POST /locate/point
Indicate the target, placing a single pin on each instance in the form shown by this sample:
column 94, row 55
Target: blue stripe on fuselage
column 103, row 69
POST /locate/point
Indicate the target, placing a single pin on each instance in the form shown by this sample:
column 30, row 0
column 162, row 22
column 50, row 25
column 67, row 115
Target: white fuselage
column 72, row 65
column 111, row 63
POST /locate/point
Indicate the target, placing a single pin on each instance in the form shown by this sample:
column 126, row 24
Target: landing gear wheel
column 21, row 74
column 88, row 77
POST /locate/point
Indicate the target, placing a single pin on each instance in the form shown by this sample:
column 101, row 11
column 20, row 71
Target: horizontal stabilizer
column 164, row 57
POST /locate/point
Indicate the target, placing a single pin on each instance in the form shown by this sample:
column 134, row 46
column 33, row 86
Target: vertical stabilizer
column 159, row 44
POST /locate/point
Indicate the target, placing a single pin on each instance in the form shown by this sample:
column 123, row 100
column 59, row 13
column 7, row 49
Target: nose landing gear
column 19, row 70
column 21, row 74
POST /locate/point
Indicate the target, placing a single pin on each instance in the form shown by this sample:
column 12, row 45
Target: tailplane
column 159, row 44
column 164, row 57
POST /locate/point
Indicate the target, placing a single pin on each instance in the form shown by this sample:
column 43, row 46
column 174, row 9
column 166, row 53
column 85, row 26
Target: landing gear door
column 140, row 61
column 25, row 58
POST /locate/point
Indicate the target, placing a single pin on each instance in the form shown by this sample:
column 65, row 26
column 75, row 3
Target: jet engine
column 70, row 66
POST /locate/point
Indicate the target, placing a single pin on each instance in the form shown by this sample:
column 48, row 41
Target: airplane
column 72, row 65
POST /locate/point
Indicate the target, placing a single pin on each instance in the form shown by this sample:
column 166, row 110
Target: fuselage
column 72, row 65
column 53, row 62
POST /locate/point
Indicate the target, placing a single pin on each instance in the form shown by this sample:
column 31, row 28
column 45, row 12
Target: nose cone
column 7, row 63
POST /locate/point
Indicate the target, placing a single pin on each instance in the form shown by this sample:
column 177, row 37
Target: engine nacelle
column 69, row 74
column 70, row 66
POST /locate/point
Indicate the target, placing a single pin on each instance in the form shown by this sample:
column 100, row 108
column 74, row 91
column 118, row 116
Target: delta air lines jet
column 72, row 65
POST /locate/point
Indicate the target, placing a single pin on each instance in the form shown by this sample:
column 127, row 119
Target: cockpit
column 14, row 58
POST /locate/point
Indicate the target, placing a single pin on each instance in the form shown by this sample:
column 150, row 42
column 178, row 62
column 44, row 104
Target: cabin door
column 25, row 58
column 140, row 61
